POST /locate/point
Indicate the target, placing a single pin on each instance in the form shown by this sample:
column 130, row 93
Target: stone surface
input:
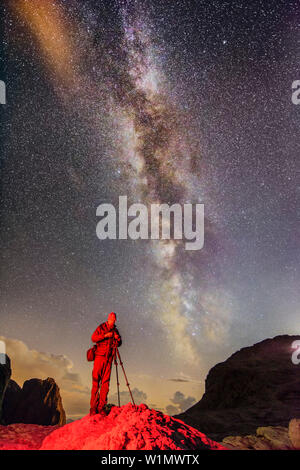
column 294, row 433
column 266, row 438
column 129, row 428
column 257, row 386
column 23, row 436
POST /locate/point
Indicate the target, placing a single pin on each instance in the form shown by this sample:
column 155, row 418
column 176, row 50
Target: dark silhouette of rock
column 5, row 373
column 12, row 398
column 39, row 403
column 257, row 386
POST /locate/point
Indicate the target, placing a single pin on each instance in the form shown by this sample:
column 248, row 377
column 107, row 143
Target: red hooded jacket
column 104, row 344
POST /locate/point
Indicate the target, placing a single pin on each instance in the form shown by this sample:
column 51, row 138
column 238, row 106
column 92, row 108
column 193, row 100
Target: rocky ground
column 125, row 428
column 23, row 436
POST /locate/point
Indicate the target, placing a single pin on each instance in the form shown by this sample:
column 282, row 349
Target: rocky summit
column 126, row 428
column 129, row 428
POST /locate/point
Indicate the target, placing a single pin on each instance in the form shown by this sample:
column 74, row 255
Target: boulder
column 294, row 433
column 256, row 386
column 266, row 438
column 276, row 436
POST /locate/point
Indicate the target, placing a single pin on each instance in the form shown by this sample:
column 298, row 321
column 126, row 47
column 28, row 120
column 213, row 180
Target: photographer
column 106, row 336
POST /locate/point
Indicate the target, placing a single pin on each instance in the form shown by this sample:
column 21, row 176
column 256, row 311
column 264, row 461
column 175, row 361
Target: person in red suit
column 105, row 336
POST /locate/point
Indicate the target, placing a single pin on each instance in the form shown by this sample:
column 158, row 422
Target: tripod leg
column 127, row 383
column 118, row 383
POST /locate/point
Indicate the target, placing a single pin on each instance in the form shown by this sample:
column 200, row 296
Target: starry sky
column 168, row 102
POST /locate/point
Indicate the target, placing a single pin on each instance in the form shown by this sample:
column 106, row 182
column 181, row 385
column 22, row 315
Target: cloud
column 180, row 403
column 28, row 363
column 172, row 410
column 178, row 380
column 183, row 378
column 138, row 395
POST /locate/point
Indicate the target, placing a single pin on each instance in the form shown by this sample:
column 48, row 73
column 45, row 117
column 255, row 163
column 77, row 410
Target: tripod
column 116, row 356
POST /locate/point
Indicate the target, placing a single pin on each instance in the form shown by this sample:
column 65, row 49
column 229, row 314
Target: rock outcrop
column 38, row 402
column 5, row 373
column 266, row 438
column 257, row 386
column 12, row 398
column 128, row 428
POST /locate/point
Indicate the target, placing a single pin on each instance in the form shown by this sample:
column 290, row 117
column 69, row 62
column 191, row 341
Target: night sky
column 161, row 101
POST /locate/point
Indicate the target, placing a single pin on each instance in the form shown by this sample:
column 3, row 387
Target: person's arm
column 118, row 338
column 98, row 335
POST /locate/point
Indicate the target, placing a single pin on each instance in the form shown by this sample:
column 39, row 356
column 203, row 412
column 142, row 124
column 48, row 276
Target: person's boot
column 93, row 411
column 101, row 412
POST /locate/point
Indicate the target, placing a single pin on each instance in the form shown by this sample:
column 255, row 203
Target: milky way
column 155, row 145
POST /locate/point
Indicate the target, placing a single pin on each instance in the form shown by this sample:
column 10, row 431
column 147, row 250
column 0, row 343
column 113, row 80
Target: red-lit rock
column 128, row 428
column 23, row 436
